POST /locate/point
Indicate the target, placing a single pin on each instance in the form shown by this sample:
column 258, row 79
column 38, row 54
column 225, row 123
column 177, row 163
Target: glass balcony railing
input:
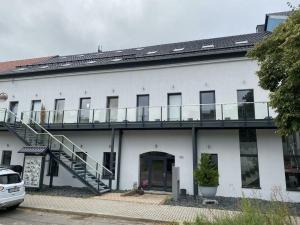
column 205, row 112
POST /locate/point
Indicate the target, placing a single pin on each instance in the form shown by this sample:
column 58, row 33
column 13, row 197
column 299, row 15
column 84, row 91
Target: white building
column 139, row 111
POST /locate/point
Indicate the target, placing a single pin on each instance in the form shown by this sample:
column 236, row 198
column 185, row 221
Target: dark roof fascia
column 154, row 62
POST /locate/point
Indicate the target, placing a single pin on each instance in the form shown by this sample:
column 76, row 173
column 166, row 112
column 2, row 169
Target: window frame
column 168, row 107
column 137, row 108
column 2, row 157
column 214, row 93
column 105, row 154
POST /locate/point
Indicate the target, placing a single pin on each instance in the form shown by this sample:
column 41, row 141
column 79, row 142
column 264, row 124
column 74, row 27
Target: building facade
column 132, row 114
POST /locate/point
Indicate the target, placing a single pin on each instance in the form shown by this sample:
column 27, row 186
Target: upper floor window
column 13, row 107
column 274, row 21
column 84, row 110
column 112, row 105
column 174, row 106
column 245, row 100
column 291, row 154
column 142, row 113
column 35, row 110
column 207, row 107
column 58, row 110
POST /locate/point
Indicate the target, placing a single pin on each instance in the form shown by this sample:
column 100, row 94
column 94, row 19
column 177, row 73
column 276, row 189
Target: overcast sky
column 33, row 28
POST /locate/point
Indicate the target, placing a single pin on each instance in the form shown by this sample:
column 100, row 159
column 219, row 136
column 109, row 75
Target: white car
column 12, row 190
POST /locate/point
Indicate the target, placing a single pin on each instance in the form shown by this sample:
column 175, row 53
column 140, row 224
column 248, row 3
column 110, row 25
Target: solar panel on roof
column 178, row 49
column 116, row 59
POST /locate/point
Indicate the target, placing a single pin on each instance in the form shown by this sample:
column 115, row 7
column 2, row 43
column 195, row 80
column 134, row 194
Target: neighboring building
column 139, row 111
column 10, row 65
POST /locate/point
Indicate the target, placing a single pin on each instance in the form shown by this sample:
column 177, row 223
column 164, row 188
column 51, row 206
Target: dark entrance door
column 156, row 171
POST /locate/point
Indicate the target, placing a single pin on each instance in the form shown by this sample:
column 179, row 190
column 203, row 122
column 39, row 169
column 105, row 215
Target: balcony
column 232, row 115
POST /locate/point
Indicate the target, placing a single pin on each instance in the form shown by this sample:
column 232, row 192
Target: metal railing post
column 222, row 113
column 268, row 109
column 180, row 108
column 49, row 113
column 5, row 116
column 93, row 116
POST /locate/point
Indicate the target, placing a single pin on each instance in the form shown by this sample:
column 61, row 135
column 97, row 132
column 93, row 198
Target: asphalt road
column 31, row 217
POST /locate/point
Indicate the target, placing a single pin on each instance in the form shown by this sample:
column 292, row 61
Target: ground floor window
column 249, row 158
column 106, row 163
column 291, row 154
column 6, row 158
column 53, row 165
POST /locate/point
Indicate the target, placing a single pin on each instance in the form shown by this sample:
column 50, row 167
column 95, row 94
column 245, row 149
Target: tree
column 278, row 56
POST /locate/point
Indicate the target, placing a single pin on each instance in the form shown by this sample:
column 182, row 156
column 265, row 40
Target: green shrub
column 252, row 213
column 206, row 174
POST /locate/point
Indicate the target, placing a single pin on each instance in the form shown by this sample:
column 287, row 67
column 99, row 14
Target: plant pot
column 208, row 192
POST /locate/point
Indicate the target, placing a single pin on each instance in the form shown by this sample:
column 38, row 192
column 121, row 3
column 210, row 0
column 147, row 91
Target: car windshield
column 10, row 179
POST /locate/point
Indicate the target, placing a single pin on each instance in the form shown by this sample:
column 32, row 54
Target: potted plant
column 207, row 176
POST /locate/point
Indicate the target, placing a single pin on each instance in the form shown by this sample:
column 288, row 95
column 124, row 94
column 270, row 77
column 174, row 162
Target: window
column 142, row 113
column 249, row 158
column 174, row 106
column 112, row 109
column 291, row 154
column 10, row 179
column 13, row 107
column 106, row 164
column 208, row 106
column 84, row 110
column 53, row 164
column 274, row 21
column 245, row 100
column 59, row 109
column 35, row 110
column 6, row 158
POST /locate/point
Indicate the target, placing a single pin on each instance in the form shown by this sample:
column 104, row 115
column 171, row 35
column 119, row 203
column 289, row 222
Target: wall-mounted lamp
column 173, row 87
column 156, row 145
column 85, row 92
column 206, row 84
column 113, row 90
column 36, row 95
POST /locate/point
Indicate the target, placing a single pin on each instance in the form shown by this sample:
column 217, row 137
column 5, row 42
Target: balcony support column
column 119, row 158
column 111, row 156
column 195, row 158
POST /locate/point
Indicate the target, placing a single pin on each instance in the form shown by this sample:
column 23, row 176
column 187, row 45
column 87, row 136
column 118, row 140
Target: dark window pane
column 249, row 158
column 6, row 158
column 10, row 179
column 142, row 108
column 106, row 164
column 208, row 107
column 250, row 172
column 291, row 151
column 53, row 165
column 246, row 109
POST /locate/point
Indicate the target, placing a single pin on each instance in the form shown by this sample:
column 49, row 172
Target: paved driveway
column 30, row 217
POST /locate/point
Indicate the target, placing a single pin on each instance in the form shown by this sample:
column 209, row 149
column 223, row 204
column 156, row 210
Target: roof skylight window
column 21, row 69
column 66, row 64
column 178, row 49
column 44, row 67
column 139, row 49
column 63, row 57
column 90, row 62
column 151, row 52
column 241, row 42
column 208, row 46
column 116, row 59
column 81, row 55
column 119, row 51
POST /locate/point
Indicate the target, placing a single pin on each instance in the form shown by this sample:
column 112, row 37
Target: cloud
column 35, row 28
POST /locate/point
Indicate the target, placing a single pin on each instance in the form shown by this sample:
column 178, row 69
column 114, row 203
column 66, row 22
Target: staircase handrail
column 47, row 132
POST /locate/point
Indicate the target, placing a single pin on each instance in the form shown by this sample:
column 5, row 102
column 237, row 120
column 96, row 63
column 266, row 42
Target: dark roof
column 34, row 149
column 286, row 13
column 157, row 53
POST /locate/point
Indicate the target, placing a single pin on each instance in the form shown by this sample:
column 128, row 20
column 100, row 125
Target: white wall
column 223, row 76
column 177, row 143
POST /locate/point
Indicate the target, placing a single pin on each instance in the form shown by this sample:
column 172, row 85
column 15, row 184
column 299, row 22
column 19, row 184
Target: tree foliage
column 279, row 58
column 206, row 174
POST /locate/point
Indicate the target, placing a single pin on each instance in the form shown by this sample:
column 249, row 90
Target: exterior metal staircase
column 63, row 150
